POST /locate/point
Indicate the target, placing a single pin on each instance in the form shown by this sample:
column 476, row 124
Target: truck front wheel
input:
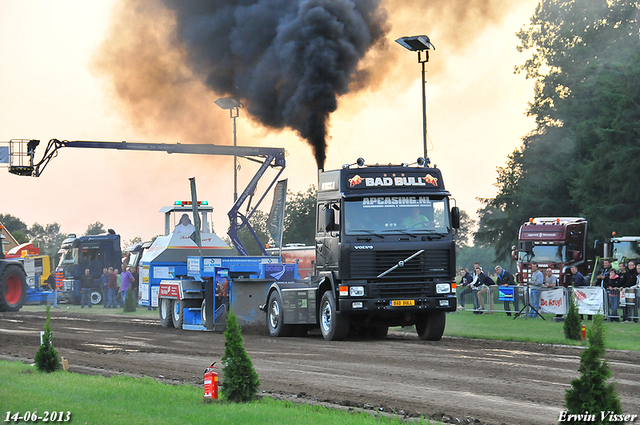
column 165, row 312
column 333, row 325
column 275, row 316
column 13, row 288
column 430, row 327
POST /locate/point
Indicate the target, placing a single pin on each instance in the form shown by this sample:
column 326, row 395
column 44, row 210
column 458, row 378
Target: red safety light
column 184, row 203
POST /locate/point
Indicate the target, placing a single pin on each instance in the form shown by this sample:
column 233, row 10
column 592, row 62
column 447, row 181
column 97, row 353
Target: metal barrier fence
column 591, row 300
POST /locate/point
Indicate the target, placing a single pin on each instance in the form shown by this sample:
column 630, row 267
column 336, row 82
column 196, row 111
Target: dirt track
column 491, row 381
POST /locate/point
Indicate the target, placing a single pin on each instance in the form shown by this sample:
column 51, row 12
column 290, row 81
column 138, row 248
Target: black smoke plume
column 287, row 60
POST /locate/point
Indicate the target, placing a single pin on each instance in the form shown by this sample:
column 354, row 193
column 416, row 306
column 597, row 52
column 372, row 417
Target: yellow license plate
column 403, row 303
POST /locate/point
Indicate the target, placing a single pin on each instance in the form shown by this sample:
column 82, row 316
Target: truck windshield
column 133, row 259
column 396, row 214
column 545, row 254
column 67, row 256
column 626, row 249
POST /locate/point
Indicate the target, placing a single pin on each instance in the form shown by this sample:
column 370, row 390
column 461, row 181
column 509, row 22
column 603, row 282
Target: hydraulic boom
column 22, row 163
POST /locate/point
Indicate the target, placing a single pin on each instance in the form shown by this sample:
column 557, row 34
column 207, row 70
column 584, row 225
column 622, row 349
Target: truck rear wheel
column 96, row 296
column 13, row 288
column 430, row 327
column 333, row 325
column 275, row 315
column 165, row 312
column 177, row 315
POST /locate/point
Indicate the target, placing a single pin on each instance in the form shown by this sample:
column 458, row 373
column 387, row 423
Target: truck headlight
column 356, row 291
column 443, row 288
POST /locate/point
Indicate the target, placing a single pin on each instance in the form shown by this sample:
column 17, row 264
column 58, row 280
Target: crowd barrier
column 591, row 300
column 512, row 299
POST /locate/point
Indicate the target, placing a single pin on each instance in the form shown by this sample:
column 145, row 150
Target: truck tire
column 333, row 325
column 96, row 296
column 165, row 312
column 430, row 327
column 177, row 315
column 275, row 316
column 13, row 288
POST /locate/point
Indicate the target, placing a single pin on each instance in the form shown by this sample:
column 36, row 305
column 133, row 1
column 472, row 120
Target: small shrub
column 47, row 359
column 240, row 379
column 130, row 302
column 591, row 393
column 572, row 324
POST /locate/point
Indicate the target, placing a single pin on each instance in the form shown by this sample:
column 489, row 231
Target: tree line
column 583, row 156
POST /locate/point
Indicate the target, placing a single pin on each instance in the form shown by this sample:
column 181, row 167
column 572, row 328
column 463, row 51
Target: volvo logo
column 363, row 247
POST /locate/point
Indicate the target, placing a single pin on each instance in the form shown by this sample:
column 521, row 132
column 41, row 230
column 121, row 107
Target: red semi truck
column 555, row 242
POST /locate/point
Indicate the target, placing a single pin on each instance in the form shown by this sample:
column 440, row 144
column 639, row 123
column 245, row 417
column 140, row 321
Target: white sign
column 164, row 272
column 154, row 296
column 552, row 301
column 590, row 299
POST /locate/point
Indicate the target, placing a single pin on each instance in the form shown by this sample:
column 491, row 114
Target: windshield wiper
column 400, row 232
column 371, row 232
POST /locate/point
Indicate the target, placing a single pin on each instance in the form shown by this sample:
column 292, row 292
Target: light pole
column 422, row 45
column 233, row 105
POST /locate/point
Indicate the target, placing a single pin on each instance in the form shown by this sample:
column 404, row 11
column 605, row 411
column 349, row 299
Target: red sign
column 169, row 290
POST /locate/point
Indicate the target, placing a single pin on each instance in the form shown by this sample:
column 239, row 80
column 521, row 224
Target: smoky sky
column 287, row 61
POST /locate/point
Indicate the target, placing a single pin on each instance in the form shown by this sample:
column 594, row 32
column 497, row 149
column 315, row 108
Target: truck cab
column 384, row 243
column 558, row 243
column 93, row 252
column 385, row 256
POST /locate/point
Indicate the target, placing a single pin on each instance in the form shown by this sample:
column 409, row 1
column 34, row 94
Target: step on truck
column 385, row 256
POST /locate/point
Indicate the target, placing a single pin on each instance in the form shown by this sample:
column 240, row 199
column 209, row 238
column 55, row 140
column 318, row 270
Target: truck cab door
column 328, row 236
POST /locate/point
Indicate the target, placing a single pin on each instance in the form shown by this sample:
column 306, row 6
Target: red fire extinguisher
column 211, row 382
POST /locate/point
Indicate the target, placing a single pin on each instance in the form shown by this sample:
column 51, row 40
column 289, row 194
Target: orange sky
column 51, row 87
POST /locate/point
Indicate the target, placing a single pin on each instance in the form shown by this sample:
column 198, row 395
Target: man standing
column 550, row 280
column 126, row 280
column 505, row 278
column 535, row 290
column 482, row 284
column 465, row 281
column 105, row 288
column 86, row 282
column 604, row 273
column 112, row 283
column 577, row 279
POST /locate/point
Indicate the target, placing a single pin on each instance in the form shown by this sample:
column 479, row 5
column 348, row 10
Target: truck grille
column 429, row 265
column 401, row 291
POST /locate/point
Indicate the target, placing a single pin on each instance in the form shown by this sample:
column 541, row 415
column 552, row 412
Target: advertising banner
column 590, row 299
column 552, row 301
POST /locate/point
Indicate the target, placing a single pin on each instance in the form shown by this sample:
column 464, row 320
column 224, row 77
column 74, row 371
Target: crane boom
column 22, row 162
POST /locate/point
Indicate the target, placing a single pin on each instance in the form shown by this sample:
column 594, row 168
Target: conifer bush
column 47, row 359
column 572, row 324
column 591, row 393
column 129, row 302
column 240, row 379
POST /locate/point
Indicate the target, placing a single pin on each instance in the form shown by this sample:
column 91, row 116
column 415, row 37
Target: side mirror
column 514, row 253
column 576, row 255
column 455, row 217
column 526, row 246
column 330, row 220
column 598, row 248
